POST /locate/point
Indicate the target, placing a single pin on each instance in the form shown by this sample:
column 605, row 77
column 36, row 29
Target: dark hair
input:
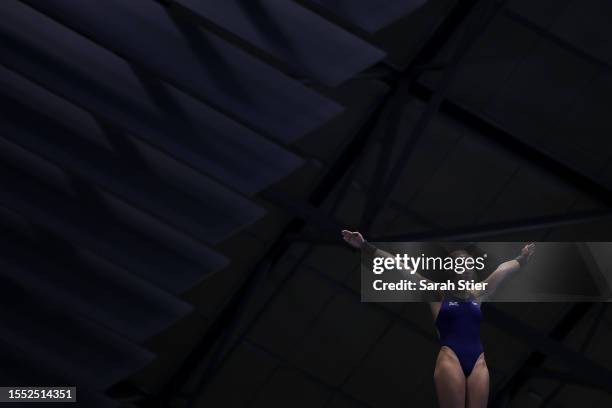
column 463, row 253
column 459, row 252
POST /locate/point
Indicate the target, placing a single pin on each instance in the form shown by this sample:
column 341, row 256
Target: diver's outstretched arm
column 508, row 268
column 356, row 240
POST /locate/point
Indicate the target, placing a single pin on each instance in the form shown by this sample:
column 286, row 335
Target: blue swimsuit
column 458, row 323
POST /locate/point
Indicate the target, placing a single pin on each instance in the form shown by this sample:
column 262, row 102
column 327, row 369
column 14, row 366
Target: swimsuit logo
column 453, row 303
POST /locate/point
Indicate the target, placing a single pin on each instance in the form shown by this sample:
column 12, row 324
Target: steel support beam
column 566, row 45
column 475, row 27
column 521, row 148
column 217, row 342
column 546, row 346
column 499, row 228
column 571, row 377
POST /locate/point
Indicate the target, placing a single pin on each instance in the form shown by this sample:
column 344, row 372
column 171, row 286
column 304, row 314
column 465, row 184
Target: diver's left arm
column 508, row 268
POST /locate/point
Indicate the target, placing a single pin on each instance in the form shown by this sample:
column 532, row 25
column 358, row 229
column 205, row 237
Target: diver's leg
column 449, row 380
column 478, row 385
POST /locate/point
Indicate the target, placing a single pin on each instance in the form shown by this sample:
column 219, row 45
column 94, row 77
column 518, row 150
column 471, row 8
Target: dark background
column 175, row 175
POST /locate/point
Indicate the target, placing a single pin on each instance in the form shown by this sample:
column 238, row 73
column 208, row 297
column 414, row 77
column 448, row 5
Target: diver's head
column 464, row 265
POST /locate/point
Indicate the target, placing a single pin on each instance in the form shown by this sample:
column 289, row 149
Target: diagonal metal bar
column 303, row 211
column 566, row 378
column 545, row 346
column 506, row 227
column 392, row 122
column 423, row 61
column 567, row 45
column 226, row 346
column 394, row 317
column 521, row 148
column 572, row 377
column 219, row 335
column 313, row 378
column 476, row 26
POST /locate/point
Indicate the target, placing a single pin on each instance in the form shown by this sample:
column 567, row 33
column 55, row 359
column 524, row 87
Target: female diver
column 461, row 375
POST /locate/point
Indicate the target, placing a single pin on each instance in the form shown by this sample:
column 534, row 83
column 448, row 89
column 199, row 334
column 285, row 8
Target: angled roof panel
column 76, row 280
column 166, row 117
column 88, row 223
column 221, row 148
column 211, row 220
column 179, row 52
column 67, row 342
column 157, row 197
column 369, row 14
column 310, row 44
column 18, row 368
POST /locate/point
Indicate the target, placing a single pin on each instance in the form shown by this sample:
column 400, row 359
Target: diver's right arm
column 356, row 240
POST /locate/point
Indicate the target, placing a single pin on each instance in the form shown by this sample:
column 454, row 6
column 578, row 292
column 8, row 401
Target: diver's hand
column 528, row 250
column 354, row 239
